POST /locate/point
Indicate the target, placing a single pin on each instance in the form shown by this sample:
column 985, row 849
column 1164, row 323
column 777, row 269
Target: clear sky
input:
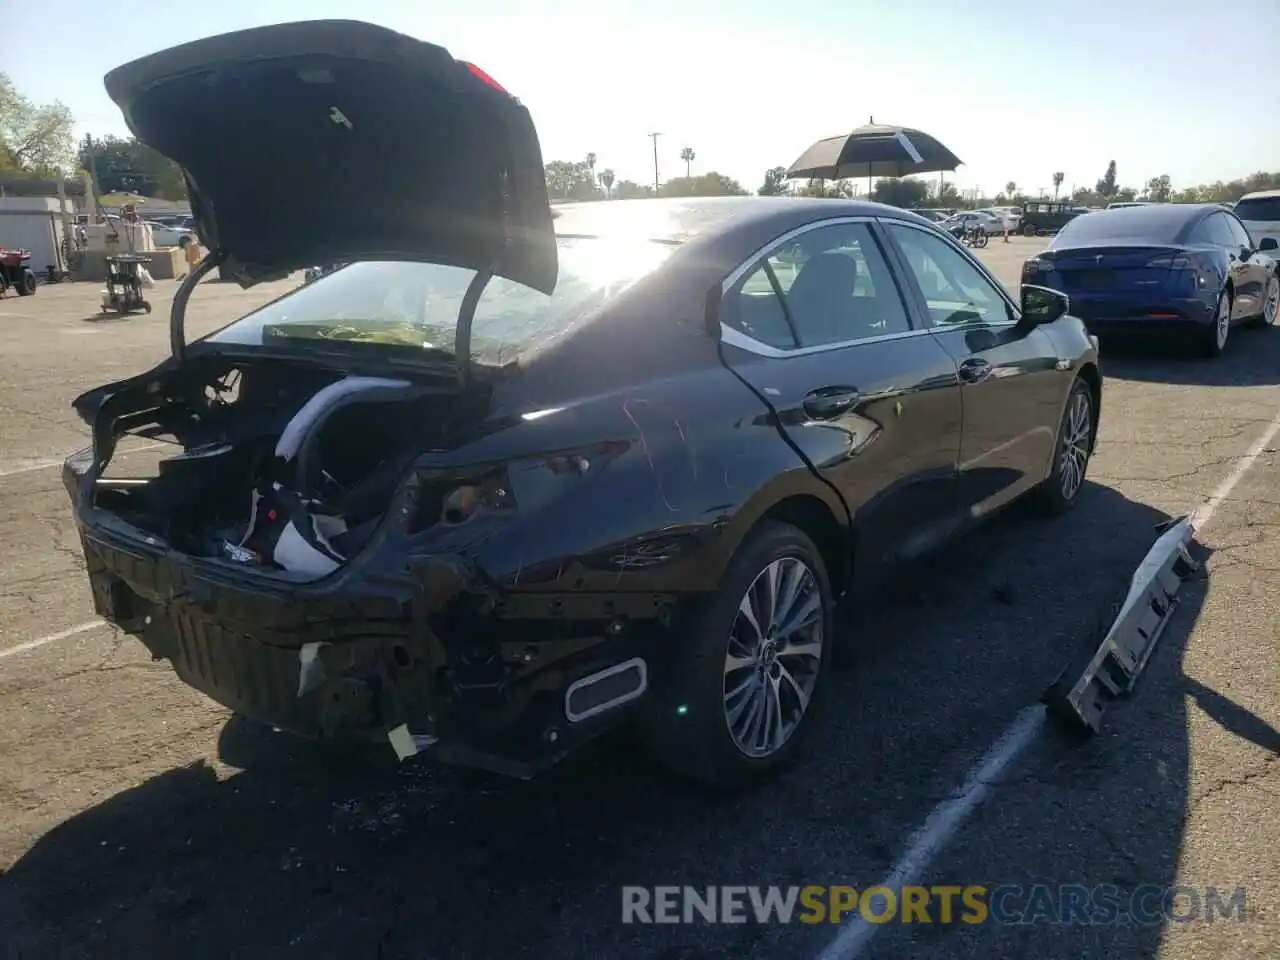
column 1016, row 89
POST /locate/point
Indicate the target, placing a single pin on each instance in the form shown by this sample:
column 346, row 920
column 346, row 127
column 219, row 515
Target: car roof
column 679, row 219
column 1158, row 220
column 1259, row 194
column 1161, row 216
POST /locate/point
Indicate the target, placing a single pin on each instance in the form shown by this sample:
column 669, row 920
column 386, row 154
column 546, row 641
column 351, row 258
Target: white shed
column 34, row 224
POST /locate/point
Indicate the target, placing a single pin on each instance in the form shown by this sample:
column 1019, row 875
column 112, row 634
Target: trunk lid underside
column 333, row 141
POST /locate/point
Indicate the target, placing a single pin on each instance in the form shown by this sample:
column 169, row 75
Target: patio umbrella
column 874, row 150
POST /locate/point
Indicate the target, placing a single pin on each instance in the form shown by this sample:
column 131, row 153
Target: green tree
column 570, row 180
column 1058, row 177
column 1159, row 188
column 1011, row 189
column 606, row 181
column 947, row 196
column 687, row 155
column 1106, row 187
column 905, row 193
column 630, row 190
column 124, row 164
column 591, row 165
column 1123, row 195
column 710, row 184
column 1088, row 197
column 775, row 182
column 35, row 140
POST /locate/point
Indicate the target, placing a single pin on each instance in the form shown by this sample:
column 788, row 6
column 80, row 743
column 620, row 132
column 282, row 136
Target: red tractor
column 14, row 272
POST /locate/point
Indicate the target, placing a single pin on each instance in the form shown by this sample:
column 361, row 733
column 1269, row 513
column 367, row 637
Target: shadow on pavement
column 1106, row 815
column 1232, row 717
column 337, row 855
column 1251, row 359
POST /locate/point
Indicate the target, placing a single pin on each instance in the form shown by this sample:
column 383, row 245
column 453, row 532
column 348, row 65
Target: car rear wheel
column 1213, row 340
column 1270, row 305
column 743, row 689
column 1061, row 489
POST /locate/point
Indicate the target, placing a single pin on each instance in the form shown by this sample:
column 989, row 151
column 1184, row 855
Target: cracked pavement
column 138, row 818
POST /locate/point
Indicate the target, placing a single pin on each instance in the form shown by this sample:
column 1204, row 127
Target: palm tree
column 606, row 181
column 687, row 155
column 1057, row 182
column 1010, row 189
column 591, row 165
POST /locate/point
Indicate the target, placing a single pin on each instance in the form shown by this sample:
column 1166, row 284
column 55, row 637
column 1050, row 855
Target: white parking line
column 51, row 638
column 948, row 817
column 943, row 824
column 16, row 467
column 32, row 465
column 1204, row 513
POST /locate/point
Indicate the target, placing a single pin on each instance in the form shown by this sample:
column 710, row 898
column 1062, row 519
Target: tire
column 1028, row 230
column 1270, row 305
column 26, row 284
column 1213, row 340
column 1071, row 453
column 689, row 721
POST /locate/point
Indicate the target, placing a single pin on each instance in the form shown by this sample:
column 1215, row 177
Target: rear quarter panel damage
column 677, row 471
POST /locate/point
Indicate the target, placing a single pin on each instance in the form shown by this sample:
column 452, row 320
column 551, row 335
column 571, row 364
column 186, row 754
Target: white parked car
column 1260, row 214
column 167, row 236
column 1006, row 217
column 974, row 218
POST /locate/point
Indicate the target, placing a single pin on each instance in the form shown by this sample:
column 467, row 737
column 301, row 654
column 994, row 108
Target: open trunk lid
column 332, row 140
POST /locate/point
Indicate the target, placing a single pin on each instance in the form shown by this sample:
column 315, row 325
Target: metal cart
column 123, row 293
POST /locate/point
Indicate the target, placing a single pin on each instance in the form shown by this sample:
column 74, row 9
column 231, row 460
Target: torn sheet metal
column 407, row 744
column 311, row 674
column 1079, row 698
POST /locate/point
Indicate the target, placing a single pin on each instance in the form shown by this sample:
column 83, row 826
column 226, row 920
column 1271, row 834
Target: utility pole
column 654, row 137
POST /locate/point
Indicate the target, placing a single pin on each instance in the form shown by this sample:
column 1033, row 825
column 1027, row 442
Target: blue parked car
column 1162, row 268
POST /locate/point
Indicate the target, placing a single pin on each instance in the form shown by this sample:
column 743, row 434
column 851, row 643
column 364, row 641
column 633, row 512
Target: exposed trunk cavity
column 285, row 467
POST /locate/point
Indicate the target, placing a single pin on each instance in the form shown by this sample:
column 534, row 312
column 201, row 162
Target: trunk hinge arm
column 466, row 314
column 178, row 312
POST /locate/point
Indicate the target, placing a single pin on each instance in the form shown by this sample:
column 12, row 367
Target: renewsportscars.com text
column 970, row 904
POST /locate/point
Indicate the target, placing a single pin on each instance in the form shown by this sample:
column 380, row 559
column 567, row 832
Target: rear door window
column 1238, row 233
column 831, row 284
column 1215, row 230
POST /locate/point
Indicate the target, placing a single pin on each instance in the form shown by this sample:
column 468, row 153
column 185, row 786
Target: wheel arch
column 1092, row 376
column 819, row 520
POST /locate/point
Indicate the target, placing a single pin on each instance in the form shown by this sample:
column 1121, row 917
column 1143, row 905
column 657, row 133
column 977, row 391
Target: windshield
column 1259, row 208
column 409, row 306
column 1148, row 224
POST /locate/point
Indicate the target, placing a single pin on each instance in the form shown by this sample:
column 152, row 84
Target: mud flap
column 1079, row 696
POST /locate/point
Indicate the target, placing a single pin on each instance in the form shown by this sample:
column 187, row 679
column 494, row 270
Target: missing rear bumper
column 1081, row 693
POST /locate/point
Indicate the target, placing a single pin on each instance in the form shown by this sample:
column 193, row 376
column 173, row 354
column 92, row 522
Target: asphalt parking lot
column 138, row 819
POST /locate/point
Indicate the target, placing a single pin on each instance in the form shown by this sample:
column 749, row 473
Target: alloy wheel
column 1076, row 435
column 774, row 656
column 1272, row 304
column 1222, row 324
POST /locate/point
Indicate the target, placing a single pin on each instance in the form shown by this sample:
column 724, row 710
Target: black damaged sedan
column 510, row 478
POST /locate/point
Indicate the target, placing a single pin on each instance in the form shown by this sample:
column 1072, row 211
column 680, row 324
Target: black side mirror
column 1268, row 244
column 1042, row 305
